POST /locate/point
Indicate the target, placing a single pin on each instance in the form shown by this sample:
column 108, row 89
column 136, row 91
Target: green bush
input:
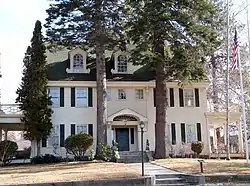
column 7, row 151
column 109, row 153
column 78, row 144
column 197, row 147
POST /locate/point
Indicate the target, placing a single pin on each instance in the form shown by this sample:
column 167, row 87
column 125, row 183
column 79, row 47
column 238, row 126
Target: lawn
column 65, row 172
column 211, row 166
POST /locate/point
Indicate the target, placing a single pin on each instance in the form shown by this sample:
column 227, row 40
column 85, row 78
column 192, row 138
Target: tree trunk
column 215, row 98
column 161, row 105
column 100, row 79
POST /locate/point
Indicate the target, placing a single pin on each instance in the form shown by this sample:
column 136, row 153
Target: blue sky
column 17, row 19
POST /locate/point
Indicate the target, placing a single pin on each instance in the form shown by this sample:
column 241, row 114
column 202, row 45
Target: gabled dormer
column 78, row 61
column 121, row 64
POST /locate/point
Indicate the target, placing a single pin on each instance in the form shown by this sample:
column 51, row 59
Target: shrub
column 47, row 158
column 109, row 153
column 197, row 147
column 78, row 144
column 7, row 151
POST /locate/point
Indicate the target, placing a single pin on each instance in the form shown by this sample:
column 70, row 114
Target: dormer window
column 78, row 61
column 122, row 63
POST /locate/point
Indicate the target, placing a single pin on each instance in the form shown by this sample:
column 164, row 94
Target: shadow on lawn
column 42, row 168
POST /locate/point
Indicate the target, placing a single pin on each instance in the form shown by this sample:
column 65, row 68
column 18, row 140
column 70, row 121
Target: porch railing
column 9, row 109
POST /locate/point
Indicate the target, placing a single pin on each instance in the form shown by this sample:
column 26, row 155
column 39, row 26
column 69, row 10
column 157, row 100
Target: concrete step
column 175, row 184
column 170, row 181
column 160, row 176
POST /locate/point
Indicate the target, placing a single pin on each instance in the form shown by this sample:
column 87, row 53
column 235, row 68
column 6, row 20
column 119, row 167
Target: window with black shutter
column 183, row 133
column 62, row 135
column 197, row 97
column 90, row 97
column 181, row 98
column 171, row 95
column 73, row 97
column 61, row 97
column 44, row 142
column 173, row 132
column 154, row 94
column 90, row 129
column 198, row 127
column 73, row 129
column 132, row 139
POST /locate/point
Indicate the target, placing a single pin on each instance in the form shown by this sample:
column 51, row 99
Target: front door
column 122, row 138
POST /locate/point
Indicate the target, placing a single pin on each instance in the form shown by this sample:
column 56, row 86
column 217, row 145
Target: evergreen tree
column 93, row 25
column 32, row 93
column 174, row 37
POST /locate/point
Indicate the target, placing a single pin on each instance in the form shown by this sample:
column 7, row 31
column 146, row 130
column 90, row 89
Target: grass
column 65, row 172
column 211, row 166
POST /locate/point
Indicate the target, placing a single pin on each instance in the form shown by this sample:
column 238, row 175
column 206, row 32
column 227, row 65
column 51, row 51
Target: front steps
column 132, row 157
column 172, row 180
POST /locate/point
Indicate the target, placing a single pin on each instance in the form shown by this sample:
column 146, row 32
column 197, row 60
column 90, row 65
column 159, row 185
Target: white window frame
column 80, row 96
column 108, row 94
column 122, row 95
column 54, row 93
column 189, row 98
column 78, row 62
column 191, row 134
column 139, row 94
column 122, row 63
column 82, row 128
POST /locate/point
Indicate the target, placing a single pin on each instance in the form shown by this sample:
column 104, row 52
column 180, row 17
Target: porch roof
column 128, row 112
column 218, row 119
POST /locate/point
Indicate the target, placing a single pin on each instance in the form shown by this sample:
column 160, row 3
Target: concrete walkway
column 151, row 169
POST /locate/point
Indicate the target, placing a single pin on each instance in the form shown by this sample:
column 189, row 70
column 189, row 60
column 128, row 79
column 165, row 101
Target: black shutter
column 73, row 97
column 154, row 94
column 183, row 133
column 173, row 132
column 90, row 97
column 181, row 98
column 132, row 133
column 171, row 93
column 62, row 135
column 198, row 127
column 61, row 97
column 90, row 129
column 44, row 142
column 73, row 129
column 197, row 97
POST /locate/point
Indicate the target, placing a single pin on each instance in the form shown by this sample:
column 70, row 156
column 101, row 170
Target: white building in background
column 130, row 94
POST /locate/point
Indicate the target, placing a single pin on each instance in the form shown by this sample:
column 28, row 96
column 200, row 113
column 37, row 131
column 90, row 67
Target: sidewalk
column 151, row 169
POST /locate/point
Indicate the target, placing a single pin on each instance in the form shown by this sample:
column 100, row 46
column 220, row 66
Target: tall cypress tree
column 174, row 37
column 93, row 25
column 32, row 93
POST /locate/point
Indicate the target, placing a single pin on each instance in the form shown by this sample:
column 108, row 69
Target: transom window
column 139, row 94
column 121, row 94
column 122, row 65
column 54, row 93
column 82, row 97
column 78, row 61
column 189, row 97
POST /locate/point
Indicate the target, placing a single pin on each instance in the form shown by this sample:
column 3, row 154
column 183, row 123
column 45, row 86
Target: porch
column 216, row 122
column 123, row 128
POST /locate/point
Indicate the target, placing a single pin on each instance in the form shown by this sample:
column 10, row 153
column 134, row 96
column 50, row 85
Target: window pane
column 108, row 94
column 139, row 94
column 78, row 61
column 189, row 98
column 54, row 93
column 121, row 94
column 82, row 129
column 122, row 63
column 82, row 97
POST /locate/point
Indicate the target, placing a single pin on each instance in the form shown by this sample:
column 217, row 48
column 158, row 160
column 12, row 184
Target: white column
column 109, row 133
column 240, row 138
column 5, row 134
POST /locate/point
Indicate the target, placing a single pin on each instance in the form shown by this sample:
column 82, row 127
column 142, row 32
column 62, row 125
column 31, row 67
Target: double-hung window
column 189, row 97
column 54, row 93
column 82, row 97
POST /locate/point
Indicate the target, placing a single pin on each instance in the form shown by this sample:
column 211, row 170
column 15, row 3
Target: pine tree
column 32, row 94
column 94, row 25
column 174, row 37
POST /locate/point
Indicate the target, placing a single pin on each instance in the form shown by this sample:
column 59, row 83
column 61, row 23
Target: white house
column 130, row 92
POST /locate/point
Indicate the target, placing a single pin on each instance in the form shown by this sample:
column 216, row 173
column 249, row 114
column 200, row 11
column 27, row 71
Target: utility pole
column 227, row 87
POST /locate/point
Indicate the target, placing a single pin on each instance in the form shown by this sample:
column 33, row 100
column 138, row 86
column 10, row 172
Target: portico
column 123, row 127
